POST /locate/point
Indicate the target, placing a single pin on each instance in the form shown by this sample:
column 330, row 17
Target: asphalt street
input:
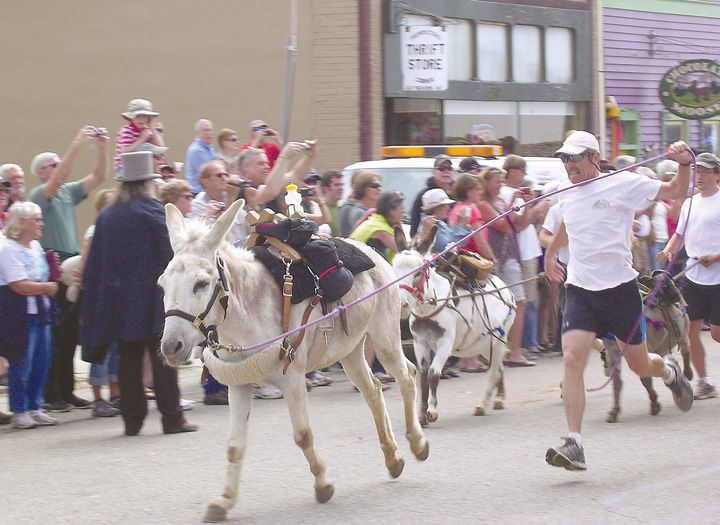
column 661, row 469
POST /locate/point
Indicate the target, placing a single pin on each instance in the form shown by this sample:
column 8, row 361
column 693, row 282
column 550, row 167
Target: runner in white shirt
column 602, row 294
column 700, row 233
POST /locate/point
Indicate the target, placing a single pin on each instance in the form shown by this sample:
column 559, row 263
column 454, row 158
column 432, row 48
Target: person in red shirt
column 264, row 138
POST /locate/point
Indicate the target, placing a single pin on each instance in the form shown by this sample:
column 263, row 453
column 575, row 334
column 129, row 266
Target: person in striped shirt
column 138, row 132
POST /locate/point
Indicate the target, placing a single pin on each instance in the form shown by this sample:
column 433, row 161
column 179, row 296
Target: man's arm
column 60, row 175
column 677, row 187
column 97, row 177
column 553, row 269
column 279, row 177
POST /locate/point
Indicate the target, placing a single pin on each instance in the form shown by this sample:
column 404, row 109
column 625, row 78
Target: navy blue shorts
column 615, row 311
column 703, row 301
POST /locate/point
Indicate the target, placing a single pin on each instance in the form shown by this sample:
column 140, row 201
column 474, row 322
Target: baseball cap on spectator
column 441, row 159
column 136, row 166
column 435, row 197
column 312, row 176
column 579, row 142
column 40, row 160
column 708, row 160
column 5, row 183
column 139, row 106
column 514, row 162
column 469, row 164
column 257, row 124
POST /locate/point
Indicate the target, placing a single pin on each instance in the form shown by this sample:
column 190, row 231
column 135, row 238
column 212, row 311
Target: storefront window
column 492, row 52
column 559, row 55
column 526, row 58
column 414, row 121
column 460, row 44
column 710, row 133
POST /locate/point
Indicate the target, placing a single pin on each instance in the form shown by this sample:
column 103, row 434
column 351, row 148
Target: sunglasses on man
column 574, row 158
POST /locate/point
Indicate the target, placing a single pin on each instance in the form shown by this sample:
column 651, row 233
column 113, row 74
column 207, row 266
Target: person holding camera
column 264, row 138
column 313, row 203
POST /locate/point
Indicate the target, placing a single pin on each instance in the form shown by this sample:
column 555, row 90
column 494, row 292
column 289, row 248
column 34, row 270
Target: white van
column 409, row 174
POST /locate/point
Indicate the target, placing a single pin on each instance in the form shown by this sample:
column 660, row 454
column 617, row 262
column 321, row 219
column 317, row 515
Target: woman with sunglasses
column 366, row 190
column 377, row 229
column 467, row 190
column 229, row 148
column 25, row 292
column 502, row 240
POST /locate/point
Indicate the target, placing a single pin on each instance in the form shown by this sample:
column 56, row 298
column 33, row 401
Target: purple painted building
column 643, row 39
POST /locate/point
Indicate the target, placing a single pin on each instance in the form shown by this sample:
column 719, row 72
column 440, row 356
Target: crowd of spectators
column 124, row 253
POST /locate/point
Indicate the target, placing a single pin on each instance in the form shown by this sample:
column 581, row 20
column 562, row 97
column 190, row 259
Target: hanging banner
column 692, row 89
column 424, row 58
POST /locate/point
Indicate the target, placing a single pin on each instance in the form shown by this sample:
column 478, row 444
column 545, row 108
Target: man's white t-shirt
column 702, row 235
column 598, row 217
column 527, row 238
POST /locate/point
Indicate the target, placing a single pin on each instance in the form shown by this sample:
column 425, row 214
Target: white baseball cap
column 578, row 142
column 435, row 197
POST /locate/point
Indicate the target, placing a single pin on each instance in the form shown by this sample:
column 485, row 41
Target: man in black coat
column 122, row 301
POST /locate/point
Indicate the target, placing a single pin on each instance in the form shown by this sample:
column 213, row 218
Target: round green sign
column 692, row 89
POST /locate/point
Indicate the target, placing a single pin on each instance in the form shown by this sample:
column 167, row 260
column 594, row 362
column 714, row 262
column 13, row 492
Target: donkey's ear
column 218, row 230
column 400, row 240
column 426, row 239
column 175, row 225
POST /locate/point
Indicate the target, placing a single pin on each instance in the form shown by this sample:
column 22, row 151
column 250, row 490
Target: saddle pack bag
column 296, row 231
column 474, row 265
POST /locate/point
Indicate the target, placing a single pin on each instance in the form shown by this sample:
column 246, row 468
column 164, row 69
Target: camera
column 268, row 132
column 307, row 192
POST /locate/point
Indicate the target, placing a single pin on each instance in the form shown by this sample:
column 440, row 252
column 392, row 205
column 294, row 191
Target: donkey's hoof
column 499, row 405
column 323, row 494
column 655, row 408
column 424, row 452
column 397, row 468
column 479, row 410
column 214, row 514
column 432, row 416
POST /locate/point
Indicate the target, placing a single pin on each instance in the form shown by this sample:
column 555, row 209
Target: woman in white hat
column 435, row 209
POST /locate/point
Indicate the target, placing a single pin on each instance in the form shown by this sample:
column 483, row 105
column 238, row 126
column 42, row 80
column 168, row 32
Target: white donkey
column 456, row 322
column 204, row 268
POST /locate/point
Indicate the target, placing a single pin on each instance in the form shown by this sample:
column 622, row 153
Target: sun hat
column 136, row 166
column 139, row 106
column 578, row 142
column 257, row 124
column 440, row 159
column 708, row 160
column 435, row 197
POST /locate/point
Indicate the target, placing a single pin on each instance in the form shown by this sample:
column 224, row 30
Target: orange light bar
column 431, row 151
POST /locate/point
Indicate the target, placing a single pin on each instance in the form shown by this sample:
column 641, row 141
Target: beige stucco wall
column 65, row 64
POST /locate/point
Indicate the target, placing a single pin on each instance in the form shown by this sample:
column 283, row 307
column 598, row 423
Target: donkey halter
column 220, row 293
column 420, row 288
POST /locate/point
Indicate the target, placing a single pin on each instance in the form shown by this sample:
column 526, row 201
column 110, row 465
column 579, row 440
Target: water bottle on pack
column 292, row 199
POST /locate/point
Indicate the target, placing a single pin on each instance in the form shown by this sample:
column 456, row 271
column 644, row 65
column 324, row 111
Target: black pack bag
column 322, row 258
column 295, row 232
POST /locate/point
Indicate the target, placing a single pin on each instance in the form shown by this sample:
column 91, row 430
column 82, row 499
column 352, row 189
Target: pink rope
column 426, row 263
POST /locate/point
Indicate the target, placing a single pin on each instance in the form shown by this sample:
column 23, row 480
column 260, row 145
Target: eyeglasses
column 444, row 168
column 375, row 185
column 159, row 130
column 53, row 165
column 577, row 157
column 234, row 139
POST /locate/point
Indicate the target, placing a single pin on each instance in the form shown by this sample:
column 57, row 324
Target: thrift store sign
column 424, row 58
column 692, row 89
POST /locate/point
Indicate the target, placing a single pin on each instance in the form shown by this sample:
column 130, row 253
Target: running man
column 602, row 292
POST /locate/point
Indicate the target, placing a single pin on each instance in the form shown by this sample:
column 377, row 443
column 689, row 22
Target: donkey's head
column 411, row 259
column 194, row 282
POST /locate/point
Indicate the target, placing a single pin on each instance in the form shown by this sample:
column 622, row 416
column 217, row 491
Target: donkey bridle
column 220, row 293
column 420, row 288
